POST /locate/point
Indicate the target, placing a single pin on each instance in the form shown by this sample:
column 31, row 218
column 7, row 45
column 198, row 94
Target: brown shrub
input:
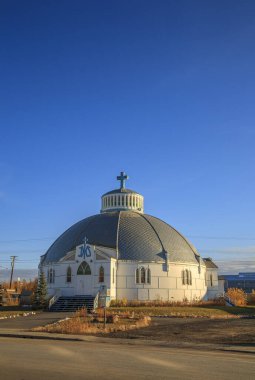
column 237, row 296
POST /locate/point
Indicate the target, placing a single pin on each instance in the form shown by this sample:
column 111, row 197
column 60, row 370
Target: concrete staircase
column 73, row 303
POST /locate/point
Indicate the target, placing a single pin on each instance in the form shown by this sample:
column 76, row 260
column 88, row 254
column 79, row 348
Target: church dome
column 135, row 236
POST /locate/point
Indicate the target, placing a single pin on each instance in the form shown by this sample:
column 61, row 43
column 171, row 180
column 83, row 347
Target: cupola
column 122, row 199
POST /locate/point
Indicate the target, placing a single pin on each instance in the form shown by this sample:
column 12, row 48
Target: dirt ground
column 189, row 330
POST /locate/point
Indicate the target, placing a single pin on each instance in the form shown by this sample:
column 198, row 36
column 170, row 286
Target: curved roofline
column 124, row 191
column 79, row 221
column 194, row 250
column 114, row 241
column 154, row 229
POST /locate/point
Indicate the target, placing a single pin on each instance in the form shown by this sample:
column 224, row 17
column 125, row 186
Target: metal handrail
column 228, row 300
column 54, row 298
column 96, row 299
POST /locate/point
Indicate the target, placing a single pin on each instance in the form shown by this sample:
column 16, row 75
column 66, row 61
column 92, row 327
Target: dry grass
column 81, row 323
column 123, row 302
column 188, row 311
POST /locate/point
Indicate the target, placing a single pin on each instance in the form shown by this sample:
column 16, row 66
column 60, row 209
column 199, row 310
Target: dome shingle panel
column 138, row 237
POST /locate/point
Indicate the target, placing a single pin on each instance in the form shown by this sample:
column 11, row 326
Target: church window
column 69, row 274
column 183, row 278
column 148, row 276
column 122, row 198
column 84, row 269
column 189, row 277
column 137, row 276
column 186, row 277
column 48, row 276
column 211, row 280
column 142, row 275
column 51, row 276
column 101, row 274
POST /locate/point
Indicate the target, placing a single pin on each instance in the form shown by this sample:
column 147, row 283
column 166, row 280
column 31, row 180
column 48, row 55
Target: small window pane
column 142, row 276
column 101, row 274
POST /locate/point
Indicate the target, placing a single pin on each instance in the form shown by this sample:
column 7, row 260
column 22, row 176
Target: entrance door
column 84, row 279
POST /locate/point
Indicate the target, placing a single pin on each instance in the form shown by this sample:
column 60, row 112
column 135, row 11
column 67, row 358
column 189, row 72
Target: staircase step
column 69, row 303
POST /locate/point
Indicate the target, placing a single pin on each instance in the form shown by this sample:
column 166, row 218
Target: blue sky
column 161, row 89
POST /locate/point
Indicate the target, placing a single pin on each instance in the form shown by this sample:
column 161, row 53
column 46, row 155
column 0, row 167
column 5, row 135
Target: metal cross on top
column 122, row 178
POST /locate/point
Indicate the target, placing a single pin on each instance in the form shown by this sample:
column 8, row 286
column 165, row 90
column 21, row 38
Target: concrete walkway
column 22, row 323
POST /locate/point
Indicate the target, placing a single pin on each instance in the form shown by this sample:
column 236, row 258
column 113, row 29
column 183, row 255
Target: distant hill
column 26, row 274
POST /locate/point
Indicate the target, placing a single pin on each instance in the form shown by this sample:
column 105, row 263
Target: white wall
column 164, row 285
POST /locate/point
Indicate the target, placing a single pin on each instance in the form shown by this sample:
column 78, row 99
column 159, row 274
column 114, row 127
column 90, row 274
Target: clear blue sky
column 161, row 89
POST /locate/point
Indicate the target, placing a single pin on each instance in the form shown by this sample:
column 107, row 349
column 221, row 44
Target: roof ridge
column 162, row 245
column 189, row 244
column 117, row 236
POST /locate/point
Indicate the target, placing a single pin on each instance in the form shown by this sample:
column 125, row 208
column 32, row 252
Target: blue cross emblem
column 85, row 249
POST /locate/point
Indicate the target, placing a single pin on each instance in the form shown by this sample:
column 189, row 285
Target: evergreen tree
column 40, row 295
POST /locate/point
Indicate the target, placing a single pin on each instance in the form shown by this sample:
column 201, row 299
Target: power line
column 29, row 239
column 219, row 237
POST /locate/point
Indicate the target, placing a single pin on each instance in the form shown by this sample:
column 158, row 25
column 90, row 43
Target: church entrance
column 84, row 280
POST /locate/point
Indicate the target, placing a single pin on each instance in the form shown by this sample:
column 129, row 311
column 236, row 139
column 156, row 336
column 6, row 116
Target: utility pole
column 13, row 258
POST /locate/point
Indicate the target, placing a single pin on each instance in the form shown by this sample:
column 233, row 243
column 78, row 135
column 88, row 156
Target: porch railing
column 54, row 298
column 96, row 299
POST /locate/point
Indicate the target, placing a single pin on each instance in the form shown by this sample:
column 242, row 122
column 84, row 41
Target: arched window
column 148, row 276
column 84, row 268
column 52, row 276
column 189, row 277
column 186, row 277
column 211, row 280
column 142, row 275
column 69, row 274
column 183, row 277
column 137, row 276
column 101, row 274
